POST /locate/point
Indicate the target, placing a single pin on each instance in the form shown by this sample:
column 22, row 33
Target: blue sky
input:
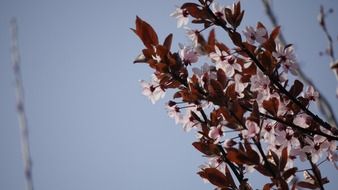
column 90, row 127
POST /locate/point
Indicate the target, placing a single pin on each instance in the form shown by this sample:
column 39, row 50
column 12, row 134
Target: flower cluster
column 241, row 105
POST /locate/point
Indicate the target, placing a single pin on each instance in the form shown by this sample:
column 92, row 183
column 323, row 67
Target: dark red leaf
column 207, row 149
column 271, row 106
column 216, row 177
column 167, row 41
column 296, row 88
column 284, row 158
column 308, row 185
column 288, row 173
column 146, row 33
column 237, row 156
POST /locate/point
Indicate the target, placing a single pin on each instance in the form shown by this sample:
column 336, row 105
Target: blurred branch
column 322, row 103
column 15, row 57
column 330, row 51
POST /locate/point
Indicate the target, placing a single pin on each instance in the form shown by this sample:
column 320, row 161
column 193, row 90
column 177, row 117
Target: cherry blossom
column 302, row 120
column 239, row 85
column 252, row 129
column 311, row 94
column 260, row 83
column 253, row 35
column 286, row 57
column 152, row 89
column 216, row 133
column 225, row 62
column 188, row 55
column 182, row 17
column 218, row 10
column 174, row 112
column 316, row 147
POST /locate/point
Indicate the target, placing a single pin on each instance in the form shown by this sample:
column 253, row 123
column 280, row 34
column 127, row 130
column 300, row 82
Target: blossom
column 239, row 85
column 251, row 130
column 252, row 35
column 218, row 10
column 286, row 57
column 285, row 138
column 216, row 133
column 316, row 147
column 302, row 120
column 188, row 55
column 152, row 89
column 225, row 62
column 182, row 17
column 192, row 35
column 174, row 112
column 311, row 94
column 260, row 83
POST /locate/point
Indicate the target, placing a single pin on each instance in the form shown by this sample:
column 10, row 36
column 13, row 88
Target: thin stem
column 26, row 156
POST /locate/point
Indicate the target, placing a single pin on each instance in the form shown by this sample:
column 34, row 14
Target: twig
column 322, row 103
column 27, row 161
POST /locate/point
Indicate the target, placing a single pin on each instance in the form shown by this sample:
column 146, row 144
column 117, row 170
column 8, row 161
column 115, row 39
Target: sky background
column 89, row 125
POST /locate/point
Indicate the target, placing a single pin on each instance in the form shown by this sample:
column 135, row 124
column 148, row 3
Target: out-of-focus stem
column 15, row 57
column 322, row 103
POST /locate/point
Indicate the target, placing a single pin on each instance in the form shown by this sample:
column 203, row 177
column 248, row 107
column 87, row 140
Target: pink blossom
column 251, row 130
column 152, row 89
column 311, row 94
column 225, row 62
column 260, row 83
column 188, row 55
column 216, row 133
column 316, row 147
column 239, row 85
column 302, row 120
column 218, row 10
column 174, row 112
column 182, row 17
column 253, row 35
column 286, row 57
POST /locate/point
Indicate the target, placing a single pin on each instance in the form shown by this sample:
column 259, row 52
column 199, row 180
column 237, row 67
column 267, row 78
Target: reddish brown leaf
column 146, row 33
column 254, row 116
column 296, row 88
column 263, row 170
column 308, row 185
column 216, row 177
column 167, row 41
column 288, row 173
column 284, row 158
column 275, row 32
column 268, row 186
column 236, row 38
column 271, row 106
column 207, row 149
column 237, row 156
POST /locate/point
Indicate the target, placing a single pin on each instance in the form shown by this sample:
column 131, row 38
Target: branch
column 322, row 103
column 27, row 161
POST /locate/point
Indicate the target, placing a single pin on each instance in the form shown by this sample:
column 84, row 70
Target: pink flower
column 239, row 85
column 252, row 129
column 311, row 94
column 152, row 89
column 188, row 55
column 174, row 112
column 287, row 58
column 260, row 83
column 302, row 120
column 225, row 62
column 253, row 35
column 316, row 147
column 218, row 10
column 182, row 17
column 216, row 133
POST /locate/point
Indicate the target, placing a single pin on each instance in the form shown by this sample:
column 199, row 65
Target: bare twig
column 322, row 103
column 27, row 161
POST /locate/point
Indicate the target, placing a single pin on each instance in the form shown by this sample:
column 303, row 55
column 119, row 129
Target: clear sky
column 90, row 127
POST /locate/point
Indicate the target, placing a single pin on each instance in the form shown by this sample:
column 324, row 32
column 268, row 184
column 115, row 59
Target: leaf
column 289, row 172
column 207, row 149
column 216, row 177
column 194, row 10
column 275, row 32
column 284, row 158
column 271, row 106
column 296, row 88
column 146, row 33
column 236, row 38
column 167, row 41
column 308, row 185
column 254, row 116
column 252, row 155
column 268, row 186
column 263, row 170
column 237, row 156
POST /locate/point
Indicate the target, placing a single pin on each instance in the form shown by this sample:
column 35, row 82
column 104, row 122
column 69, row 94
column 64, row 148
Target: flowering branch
column 322, row 103
column 245, row 89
